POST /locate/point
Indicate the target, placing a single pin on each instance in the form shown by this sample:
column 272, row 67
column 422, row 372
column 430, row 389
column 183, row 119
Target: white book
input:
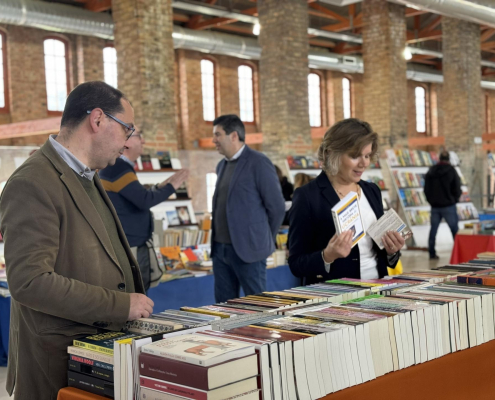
column 347, row 217
column 390, row 221
column 300, row 370
column 198, row 349
column 289, row 364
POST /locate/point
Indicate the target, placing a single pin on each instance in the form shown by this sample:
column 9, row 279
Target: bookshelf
column 408, row 169
column 373, row 174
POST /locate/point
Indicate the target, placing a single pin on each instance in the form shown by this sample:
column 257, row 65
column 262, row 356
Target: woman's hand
column 393, row 242
column 338, row 247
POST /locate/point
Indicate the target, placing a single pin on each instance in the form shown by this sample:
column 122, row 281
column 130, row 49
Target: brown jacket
column 62, row 272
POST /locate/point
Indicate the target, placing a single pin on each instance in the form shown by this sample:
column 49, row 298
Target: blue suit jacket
column 255, row 206
column 312, row 227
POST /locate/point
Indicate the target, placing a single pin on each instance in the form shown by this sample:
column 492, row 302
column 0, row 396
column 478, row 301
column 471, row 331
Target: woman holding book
column 316, row 251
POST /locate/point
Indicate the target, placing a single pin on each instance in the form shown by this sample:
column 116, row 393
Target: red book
column 187, row 392
column 195, row 376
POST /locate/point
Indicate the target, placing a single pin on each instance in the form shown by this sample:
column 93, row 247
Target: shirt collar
column 124, row 158
column 236, row 155
column 71, row 160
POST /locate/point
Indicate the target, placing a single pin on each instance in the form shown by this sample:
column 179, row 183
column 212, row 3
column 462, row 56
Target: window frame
column 351, row 97
column 117, row 74
column 426, row 107
column 3, row 39
column 320, row 76
column 67, row 65
column 214, row 88
column 254, row 93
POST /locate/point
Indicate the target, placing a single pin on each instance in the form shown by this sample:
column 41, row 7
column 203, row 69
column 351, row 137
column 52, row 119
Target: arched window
column 4, row 101
column 420, row 101
column 346, row 97
column 110, row 65
column 314, row 97
column 208, row 89
column 56, row 73
column 246, row 93
column 211, row 181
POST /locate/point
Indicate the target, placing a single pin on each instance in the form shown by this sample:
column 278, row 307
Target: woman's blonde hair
column 349, row 136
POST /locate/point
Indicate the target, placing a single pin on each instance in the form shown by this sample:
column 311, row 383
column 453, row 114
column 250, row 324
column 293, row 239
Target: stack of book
column 413, row 197
column 419, row 217
column 198, row 367
column 411, row 158
column 409, row 179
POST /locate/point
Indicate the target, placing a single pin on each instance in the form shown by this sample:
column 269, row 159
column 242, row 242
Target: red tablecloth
column 466, row 247
column 70, row 393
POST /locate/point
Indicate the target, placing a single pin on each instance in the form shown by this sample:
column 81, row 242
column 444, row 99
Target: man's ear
column 95, row 118
column 233, row 138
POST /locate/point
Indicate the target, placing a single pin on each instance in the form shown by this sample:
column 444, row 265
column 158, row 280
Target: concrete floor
column 411, row 261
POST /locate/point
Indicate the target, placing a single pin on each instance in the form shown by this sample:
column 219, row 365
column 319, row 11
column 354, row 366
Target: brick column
column 462, row 99
column 145, row 57
column 385, row 82
column 89, row 59
column 284, row 77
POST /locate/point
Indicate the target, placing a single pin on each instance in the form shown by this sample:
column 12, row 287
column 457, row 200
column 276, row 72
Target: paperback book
column 347, row 217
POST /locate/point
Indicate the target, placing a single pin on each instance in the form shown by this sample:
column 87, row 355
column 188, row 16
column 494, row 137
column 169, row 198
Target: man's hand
column 176, row 180
column 141, row 306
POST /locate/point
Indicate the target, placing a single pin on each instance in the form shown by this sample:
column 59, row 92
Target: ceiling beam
column 487, row 34
column 235, row 29
column 432, row 25
column 98, row 5
column 218, row 21
column 412, row 12
column 322, row 43
column 488, row 46
column 423, row 36
column 421, row 60
column 343, row 26
column 181, row 18
column 328, row 12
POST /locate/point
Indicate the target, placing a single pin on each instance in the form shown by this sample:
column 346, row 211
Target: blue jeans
column 437, row 213
column 231, row 273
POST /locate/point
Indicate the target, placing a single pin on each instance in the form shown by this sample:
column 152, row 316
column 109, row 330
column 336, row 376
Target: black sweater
column 442, row 185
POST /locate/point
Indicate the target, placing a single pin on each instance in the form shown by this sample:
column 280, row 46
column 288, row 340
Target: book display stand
column 408, row 169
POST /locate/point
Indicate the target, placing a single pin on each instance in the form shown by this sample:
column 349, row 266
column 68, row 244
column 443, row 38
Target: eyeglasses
column 129, row 128
column 139, row 135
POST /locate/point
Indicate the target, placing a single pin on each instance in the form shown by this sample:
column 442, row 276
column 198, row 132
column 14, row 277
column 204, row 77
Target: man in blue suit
column 248, row 208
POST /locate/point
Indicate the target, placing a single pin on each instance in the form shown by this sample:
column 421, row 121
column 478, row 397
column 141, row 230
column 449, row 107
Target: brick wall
column 385, row 84
column 284, row 76
column 89, row 58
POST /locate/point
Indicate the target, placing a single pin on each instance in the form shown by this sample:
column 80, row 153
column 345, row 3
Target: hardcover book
column 198, row 349
column 347, row 217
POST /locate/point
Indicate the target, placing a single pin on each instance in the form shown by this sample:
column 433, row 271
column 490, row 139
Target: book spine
column 338, row 230
column 93, row 363
column 92, row 355
column 90, row 370
column 151, row 327
column 93, row 347
column 173, row 371
column 90, row 384
column 203, row 311
column 166, row 387
column 481, row 281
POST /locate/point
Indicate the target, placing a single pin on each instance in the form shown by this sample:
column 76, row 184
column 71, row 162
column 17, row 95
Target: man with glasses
column 133, row 201
column 70, row 270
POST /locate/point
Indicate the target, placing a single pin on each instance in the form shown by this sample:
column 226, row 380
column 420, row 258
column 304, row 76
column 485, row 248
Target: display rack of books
column 177, row 211
column 310, row 166
column 408, row 169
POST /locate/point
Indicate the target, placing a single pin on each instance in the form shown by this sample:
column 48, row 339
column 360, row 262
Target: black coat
column 442, row 185
column 312, row 227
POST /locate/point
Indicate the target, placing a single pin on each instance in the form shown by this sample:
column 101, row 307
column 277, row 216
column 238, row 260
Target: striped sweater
column 132, row 201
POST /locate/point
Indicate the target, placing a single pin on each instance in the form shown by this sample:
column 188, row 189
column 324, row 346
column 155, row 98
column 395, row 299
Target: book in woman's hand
column 390, row 221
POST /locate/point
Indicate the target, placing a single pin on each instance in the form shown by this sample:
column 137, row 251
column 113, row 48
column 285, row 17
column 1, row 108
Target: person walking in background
column 248, row 208
column 133, row 201
column 287, row 187
column 442, row 191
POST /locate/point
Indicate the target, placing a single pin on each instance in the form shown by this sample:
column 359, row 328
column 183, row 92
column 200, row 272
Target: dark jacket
column 132, row 201
column 442, row 185
column 312, row 227
column 255, row 206
column 287, row 189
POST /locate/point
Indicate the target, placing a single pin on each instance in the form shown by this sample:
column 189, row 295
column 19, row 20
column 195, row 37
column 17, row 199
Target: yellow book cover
column 206, row 311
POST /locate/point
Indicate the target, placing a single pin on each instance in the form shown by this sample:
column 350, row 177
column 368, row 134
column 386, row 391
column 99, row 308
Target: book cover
column 347, row 216
column 204, row 378
column 165, row 160
column 103, row 342
column 183, row 215
column 91, row 370
column 172, row 217
column 197, row 349
column 90, row 384
column 146, row 161
column 390, row 221
column 90, row 354
column 149, row 325
column 90, row 362
column 181, row 192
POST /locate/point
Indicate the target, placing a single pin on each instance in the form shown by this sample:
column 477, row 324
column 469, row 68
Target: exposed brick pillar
column 145, row 57
column 284, row 77
column 26, row 73
column 90, row 59
column 385, row 82
column 462, row 99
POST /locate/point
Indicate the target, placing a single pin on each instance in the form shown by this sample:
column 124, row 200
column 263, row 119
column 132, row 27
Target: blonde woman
column 316, row 252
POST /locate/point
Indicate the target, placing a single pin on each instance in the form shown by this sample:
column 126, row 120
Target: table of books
column 195, row 292
column 466, row 247
column 191, row 292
